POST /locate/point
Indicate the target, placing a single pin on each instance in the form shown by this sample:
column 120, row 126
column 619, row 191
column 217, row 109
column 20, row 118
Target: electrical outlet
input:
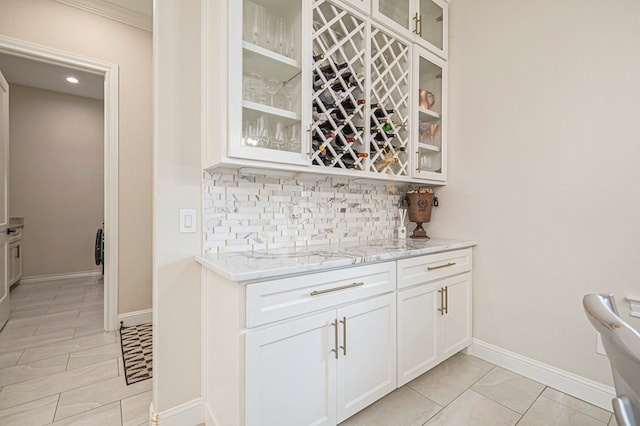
column 599, row 345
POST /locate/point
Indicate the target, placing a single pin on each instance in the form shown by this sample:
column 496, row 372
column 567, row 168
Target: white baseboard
column 56, row 277
column 135, row 318
column 580, row 387
column 189, row 413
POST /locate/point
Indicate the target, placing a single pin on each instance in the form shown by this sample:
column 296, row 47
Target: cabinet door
column 418, row 335
column 367, row 364
column 430, row 109
column 456, row 322
column 432, row 25
column 18, row 265
column 291, row 373
column 11, row 264
column 269, row 46
column 396, row 14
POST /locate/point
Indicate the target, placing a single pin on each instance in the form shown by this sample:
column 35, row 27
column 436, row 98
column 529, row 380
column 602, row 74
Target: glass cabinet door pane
column 396, row 10
column 432, row 23
column 430, row 112
column 271, row 78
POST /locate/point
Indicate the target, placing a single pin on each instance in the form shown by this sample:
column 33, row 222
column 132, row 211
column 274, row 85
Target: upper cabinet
column 429, row 116
column 423, row 21
column 327, row 86
column 267, row 104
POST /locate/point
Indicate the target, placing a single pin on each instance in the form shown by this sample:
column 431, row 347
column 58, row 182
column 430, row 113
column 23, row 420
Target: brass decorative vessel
column 419, row 203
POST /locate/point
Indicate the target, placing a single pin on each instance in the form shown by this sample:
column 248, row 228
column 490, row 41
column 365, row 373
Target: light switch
column 187, row 221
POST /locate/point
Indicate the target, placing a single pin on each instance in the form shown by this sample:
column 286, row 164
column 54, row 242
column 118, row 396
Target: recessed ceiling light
column 73, row 80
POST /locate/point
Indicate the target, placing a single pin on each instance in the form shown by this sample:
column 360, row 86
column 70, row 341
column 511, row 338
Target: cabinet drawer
column 422, row 269
column 270, row 301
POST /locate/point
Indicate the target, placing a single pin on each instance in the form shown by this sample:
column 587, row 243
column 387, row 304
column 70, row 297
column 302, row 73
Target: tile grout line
column 458, row 395
column 534, row 401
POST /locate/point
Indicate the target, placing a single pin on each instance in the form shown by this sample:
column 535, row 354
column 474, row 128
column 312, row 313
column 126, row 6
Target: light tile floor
column 467, row 391
column 58, row 366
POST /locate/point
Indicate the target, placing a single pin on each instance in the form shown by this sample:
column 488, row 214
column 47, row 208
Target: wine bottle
column 327, row 107
column 318, row 57
column 326, row 125
column 327, row 136
column 351, row 130
column 380, row 112
column 329, row 69
column 381, row 136
column 384, row 127
column 348, row 104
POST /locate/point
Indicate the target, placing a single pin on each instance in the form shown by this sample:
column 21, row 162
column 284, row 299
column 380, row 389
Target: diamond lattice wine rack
column 389, row 104
column 339, row 136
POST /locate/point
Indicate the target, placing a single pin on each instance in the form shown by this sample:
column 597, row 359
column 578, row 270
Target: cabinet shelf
column 428, row 116
column 253, row 109
column 269, row 64
column 428, row 147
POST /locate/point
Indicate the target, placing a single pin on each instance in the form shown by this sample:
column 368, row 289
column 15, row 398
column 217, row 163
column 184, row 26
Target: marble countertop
column 268, row 264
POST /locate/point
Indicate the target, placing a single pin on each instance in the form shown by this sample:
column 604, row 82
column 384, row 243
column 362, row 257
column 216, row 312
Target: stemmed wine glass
column 263, row 132
column 288, row 90
column 272, row 87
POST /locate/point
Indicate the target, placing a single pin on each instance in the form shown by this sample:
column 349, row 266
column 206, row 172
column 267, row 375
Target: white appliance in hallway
column 4, row 201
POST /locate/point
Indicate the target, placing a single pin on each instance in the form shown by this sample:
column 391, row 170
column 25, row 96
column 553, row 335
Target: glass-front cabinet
column 268, row 108
column 429, row 119
column 328, row 86
column 423, row 21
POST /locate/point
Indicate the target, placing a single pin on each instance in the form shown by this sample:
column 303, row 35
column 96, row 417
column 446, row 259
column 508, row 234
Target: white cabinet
column 291, row 373
column 320, row 369
column 367, row 354
column 255, row 105
column 429, row 116
column 301, row 350
column 316, row 348
column 15, row 261
column 327, row 86
column 434, row 317
column 423, row 21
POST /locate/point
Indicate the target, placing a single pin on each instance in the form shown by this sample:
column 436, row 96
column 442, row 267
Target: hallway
column 57, row 365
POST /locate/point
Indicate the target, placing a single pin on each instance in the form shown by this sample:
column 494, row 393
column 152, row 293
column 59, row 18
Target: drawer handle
column 329, row 290
column 431, row 268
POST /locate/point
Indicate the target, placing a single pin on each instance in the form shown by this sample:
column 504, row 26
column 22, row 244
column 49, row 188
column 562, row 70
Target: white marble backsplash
column 251, row 212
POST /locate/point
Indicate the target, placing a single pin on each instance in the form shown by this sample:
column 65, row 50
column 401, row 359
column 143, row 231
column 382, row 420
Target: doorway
column 13, row 47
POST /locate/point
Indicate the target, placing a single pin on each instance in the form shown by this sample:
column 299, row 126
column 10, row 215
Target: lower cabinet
column 15, row 262
column 434, row 322
column 315, row 349
column 323, row 368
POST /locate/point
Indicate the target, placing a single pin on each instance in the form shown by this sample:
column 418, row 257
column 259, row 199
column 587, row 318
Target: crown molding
column 112, row 11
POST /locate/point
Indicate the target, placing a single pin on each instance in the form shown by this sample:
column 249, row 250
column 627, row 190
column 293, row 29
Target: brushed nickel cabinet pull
column 344, row 336
column 309, row 131
column 431, row 268
column 418, row 24
column 335, row 341
column 441, row 309
column 329, row 290
column 446, row 299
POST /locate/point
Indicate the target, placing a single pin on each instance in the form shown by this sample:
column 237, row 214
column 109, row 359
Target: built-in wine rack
column 389, row 95
column 360, row 96
column 338, row 131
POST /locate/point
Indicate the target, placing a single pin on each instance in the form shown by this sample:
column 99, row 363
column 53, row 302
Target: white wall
column 66, row 28
column 177, row 184
column 544, row 149
column 56, row 178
